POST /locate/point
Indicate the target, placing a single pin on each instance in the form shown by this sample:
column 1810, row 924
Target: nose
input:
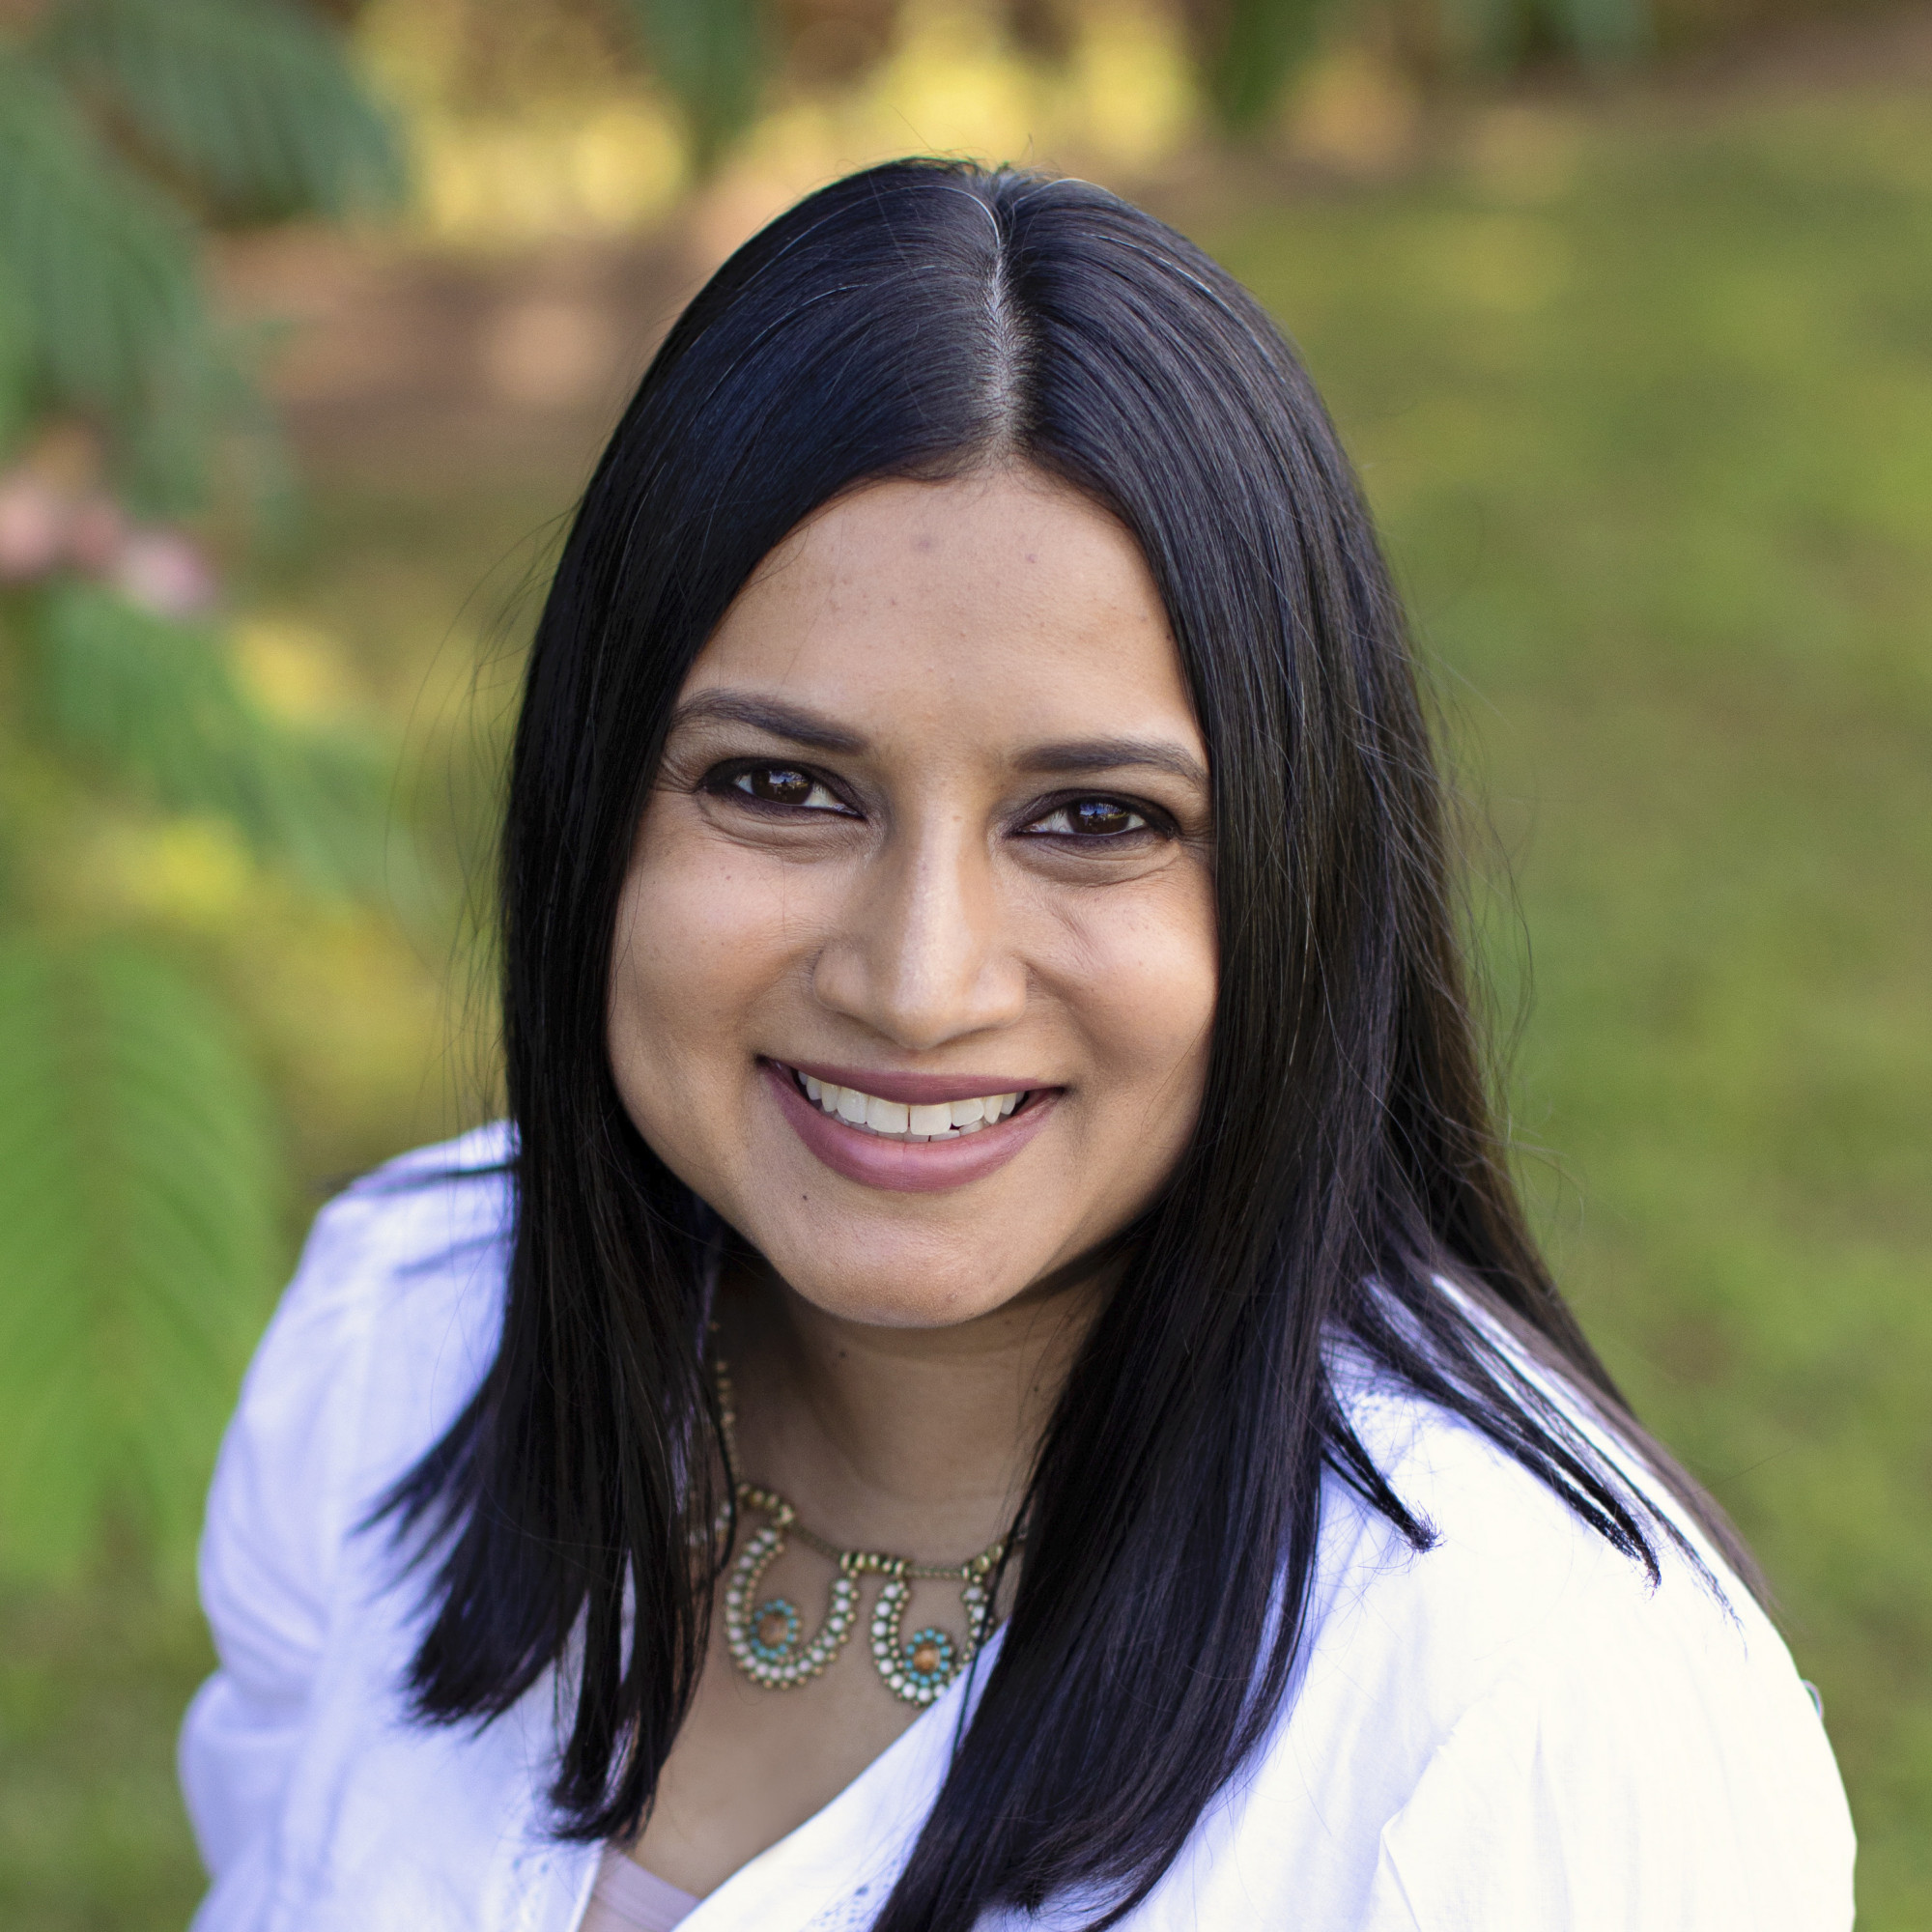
column 921, row 956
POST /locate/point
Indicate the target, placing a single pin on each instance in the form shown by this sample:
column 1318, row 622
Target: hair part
column 1345, row 1180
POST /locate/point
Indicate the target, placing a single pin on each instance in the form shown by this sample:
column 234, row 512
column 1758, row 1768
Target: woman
column 999, row 1151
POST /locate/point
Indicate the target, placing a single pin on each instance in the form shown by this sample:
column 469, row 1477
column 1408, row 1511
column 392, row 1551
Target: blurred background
column 312, row 318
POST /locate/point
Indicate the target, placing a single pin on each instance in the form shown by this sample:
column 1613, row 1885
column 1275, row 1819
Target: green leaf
column 1247, row 61
column 710, row 55
column 255, row 102
column 103, row 268
column 1498, row 34
column 1601, row 33
column 17, row 360
column 155, row 703
column 204, row 398
column 138, row 1189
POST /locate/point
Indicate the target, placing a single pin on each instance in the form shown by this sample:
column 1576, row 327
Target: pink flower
column 164, row 572
column 34, row 523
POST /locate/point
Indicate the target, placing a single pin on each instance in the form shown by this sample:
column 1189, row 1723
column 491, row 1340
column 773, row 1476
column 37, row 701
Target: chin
column 902, row 1292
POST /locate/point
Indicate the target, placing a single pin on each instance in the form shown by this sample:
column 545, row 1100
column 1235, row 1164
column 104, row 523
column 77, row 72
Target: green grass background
column 1646, row 407
column 1643, row 397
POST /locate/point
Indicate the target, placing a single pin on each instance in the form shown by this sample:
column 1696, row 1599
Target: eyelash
column 731, row 782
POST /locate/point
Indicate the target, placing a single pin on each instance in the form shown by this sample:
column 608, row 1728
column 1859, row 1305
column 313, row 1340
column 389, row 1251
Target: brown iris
column 1099, row 815
column 779, row 784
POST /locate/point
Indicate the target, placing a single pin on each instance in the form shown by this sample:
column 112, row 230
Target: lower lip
column 906, row 1167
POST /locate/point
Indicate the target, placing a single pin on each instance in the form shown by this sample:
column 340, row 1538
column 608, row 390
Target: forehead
column 994, row 606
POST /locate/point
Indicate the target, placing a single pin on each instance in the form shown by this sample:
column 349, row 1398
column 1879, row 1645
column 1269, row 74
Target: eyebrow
column 1069, row 757
column 767, row 714
column 1112, row 755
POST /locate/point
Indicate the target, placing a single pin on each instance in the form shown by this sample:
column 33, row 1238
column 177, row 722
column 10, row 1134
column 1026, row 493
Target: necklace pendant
column 763, row 1639
column 917, row 1669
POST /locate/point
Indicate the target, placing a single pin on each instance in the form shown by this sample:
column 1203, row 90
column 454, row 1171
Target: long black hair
column 1346, row 1179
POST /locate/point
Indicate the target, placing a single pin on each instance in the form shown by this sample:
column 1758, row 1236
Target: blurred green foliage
column 1247, row 49
column 92, row 1688
column 137, row 1193
column 140, row 1183
column 710, row 56
column 127, row 127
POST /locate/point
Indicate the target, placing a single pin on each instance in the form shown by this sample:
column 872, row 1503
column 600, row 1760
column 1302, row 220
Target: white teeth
column 896, row 1120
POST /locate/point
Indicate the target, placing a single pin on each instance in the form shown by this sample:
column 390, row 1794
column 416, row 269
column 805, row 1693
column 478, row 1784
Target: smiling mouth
column 898, row 1120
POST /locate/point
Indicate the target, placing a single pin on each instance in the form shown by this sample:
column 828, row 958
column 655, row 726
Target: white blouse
column 1511, row 1732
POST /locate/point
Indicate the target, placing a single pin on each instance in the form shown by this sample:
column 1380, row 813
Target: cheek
column 1149, row 982
column 701, row 937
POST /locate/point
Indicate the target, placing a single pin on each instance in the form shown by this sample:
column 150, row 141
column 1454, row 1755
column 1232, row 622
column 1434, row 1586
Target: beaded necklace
column 766, row 1641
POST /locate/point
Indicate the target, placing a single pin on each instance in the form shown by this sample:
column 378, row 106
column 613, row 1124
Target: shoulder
column 1515, row 1586
column 1549, row 1723
column 403, row 1275
column 413, row 1218
column 383, row 1335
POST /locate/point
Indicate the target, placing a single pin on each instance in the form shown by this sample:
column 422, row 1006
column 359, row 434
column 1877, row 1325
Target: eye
column 1090, row 818
column 782, row 785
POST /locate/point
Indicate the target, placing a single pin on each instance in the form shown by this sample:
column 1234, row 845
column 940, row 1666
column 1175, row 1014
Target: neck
column 913, row 1441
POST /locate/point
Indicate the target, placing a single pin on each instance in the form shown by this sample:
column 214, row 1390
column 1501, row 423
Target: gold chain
column 767, row 1642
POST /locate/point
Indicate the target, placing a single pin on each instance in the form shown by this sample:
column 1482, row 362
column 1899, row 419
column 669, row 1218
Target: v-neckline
column 856, row 1841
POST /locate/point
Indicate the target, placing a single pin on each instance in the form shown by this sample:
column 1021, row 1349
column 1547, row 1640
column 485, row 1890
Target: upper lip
column 914, row 1090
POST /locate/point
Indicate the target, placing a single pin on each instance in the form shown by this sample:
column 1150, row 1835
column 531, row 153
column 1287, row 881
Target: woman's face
column 914, row 965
